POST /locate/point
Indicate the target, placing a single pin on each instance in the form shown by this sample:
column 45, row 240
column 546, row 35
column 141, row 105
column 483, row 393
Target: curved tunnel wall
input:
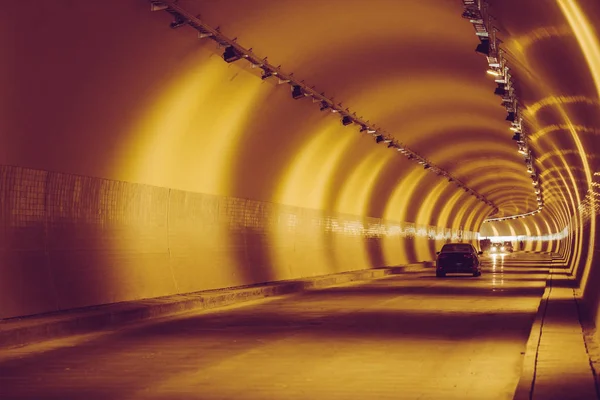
column 72, row 241
column 136, row 163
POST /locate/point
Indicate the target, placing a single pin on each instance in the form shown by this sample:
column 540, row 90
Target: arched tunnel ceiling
column 410, row 67
column 155, row 105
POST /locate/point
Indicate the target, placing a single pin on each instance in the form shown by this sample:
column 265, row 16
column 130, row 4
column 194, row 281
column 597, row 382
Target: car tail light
column 468, row 255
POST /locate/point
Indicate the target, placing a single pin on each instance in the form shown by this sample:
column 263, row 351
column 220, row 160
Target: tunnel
column 152, row 150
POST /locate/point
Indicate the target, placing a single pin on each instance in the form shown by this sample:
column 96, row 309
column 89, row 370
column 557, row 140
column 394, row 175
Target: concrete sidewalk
column 557, row 363
column 37, row 328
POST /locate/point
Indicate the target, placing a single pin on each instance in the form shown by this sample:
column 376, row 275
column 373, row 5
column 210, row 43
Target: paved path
column 408, row 336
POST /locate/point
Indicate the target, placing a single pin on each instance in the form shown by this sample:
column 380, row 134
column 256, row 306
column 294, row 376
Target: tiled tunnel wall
column 70, row 241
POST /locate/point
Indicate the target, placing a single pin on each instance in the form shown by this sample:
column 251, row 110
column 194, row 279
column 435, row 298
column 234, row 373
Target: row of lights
column 234, row 52
column 476, row 12
column 590, row 206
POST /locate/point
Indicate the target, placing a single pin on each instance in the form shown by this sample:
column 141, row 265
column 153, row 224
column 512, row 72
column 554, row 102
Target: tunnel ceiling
column 410, row 68
column 140, row 102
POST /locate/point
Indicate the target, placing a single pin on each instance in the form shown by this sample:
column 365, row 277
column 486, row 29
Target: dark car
column 458, row 258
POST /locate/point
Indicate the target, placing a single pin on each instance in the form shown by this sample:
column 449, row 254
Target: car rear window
column 456, row 248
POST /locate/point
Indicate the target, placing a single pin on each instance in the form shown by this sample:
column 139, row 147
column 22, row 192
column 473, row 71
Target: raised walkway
column 557, row 364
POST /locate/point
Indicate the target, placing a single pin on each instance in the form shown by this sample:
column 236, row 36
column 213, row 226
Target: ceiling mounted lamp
column 231, row 54
column 267, row 73
column 500, row 90
column 522, row 150
column 158, row 6
column 483, row 47
column 493, row 72
column 506, row 102
column 347, row 120
column 179, row 21
column 297, row 92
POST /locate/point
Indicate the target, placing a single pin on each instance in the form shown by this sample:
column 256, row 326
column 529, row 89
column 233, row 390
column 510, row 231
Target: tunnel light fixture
column 483, row 47
column 234, row 52
column 426, row 166
column 267, row 74
column 158, row 6
column 493, row 72
column 500, row 90
column 231, row 54
column 297, row 92
column 178, row 22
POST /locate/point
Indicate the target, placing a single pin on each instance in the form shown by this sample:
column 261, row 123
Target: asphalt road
column 408, row 336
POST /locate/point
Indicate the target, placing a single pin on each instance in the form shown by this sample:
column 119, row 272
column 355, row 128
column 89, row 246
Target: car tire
column 440, row 274
column 476, row 274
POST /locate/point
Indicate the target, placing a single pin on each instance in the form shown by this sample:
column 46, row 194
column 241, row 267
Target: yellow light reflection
column 308, row 179
column 591, row 50
column 521, row 43
column 192, row 128
column 497, row 270
column 402, row 197
column 428, row 207
column 560, row 100
column 355, row 193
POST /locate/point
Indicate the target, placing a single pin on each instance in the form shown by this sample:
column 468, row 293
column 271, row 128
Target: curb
column 524, row 390
column 25, row 330
column 526, row 381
